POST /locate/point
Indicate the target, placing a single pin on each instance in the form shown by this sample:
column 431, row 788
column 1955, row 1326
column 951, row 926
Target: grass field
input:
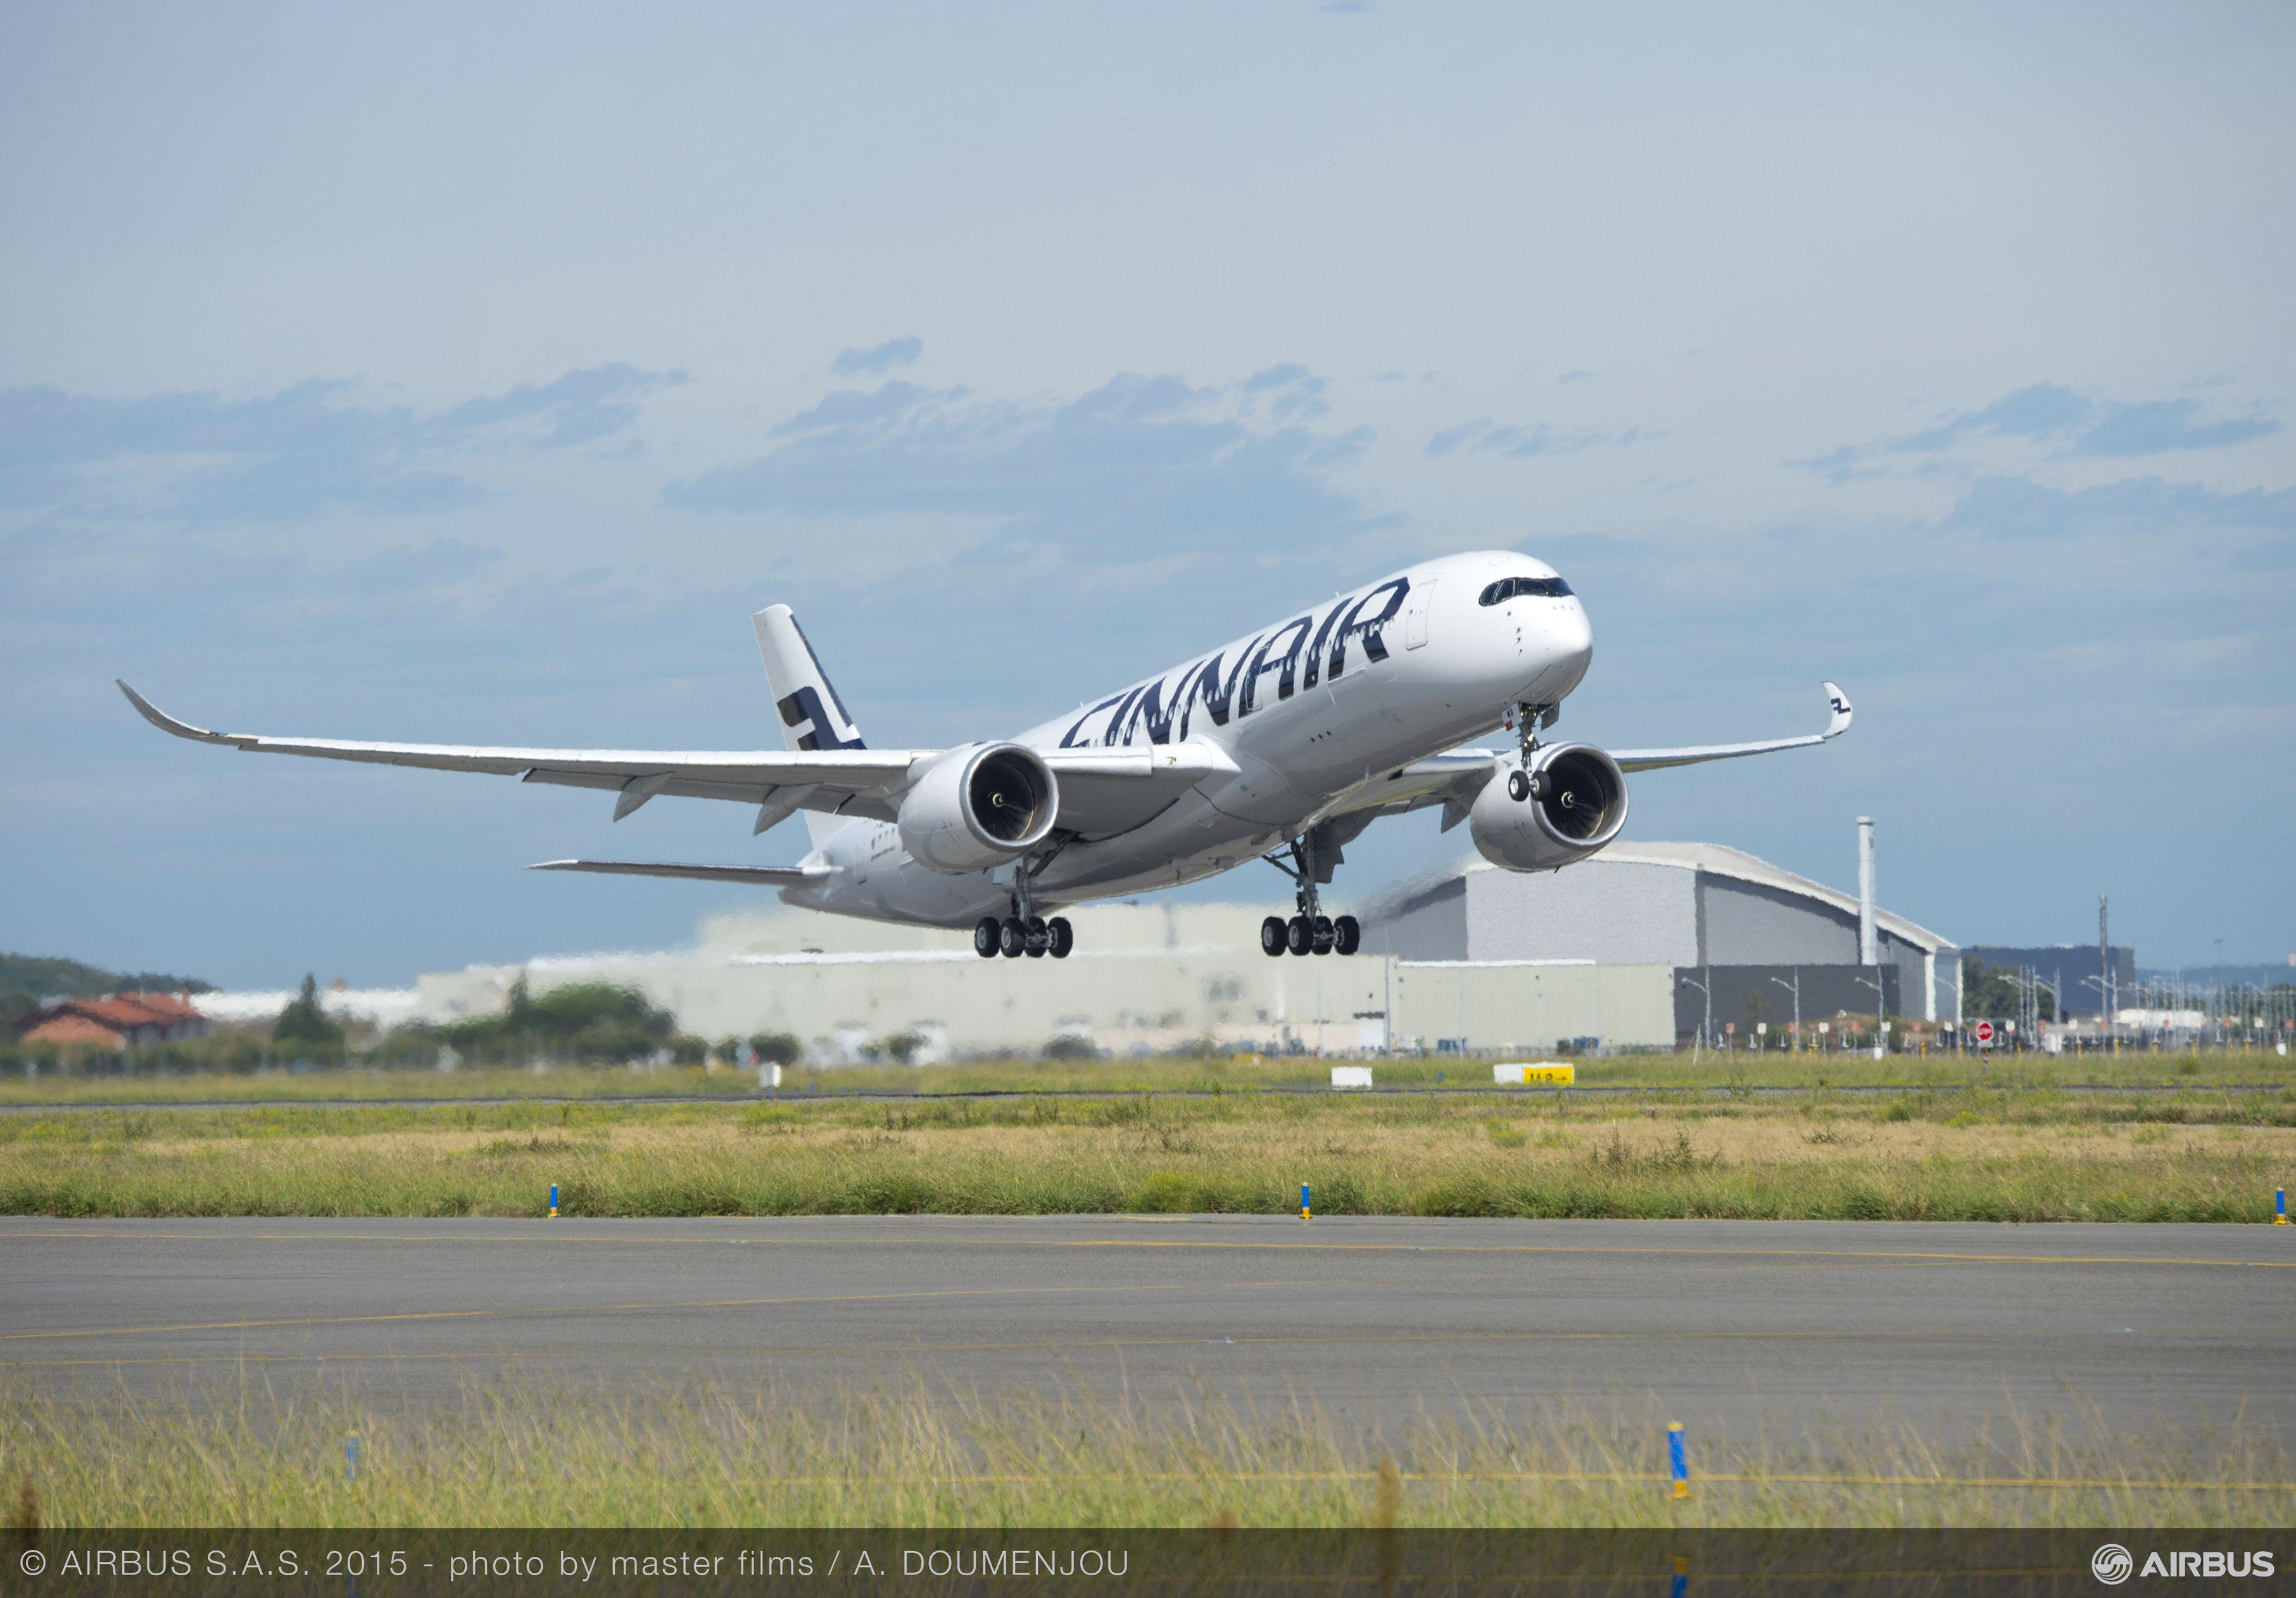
column 533, row 1455
column 1962, row 1148
column 1710, row 1072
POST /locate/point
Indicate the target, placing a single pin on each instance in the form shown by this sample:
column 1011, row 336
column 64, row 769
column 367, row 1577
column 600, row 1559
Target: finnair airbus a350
column 1281, row 746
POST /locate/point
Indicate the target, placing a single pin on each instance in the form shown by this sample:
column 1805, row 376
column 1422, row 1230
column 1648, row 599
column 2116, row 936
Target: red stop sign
column 1985, row 1031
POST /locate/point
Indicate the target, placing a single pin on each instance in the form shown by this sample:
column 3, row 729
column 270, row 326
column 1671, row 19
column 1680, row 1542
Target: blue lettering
column 1282, row 665
column 1375, row 645
column 1216, row 697
column 1072, row 740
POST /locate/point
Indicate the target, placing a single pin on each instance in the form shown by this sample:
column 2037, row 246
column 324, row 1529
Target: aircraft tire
column 1321, row 936
column 1060, row 938
column 1346, row 935
column 1272, row 936
column 986, row 937
column 1038, row 937
column 1012, row 938
column 1298, row 935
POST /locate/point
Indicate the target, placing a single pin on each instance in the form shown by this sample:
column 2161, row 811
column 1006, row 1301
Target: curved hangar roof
column 1719, row 860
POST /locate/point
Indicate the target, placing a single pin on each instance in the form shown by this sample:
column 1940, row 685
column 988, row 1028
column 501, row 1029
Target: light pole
column 1707, row 988
column 1794, row 987
column 2104, row 1001
column 1881, row 1010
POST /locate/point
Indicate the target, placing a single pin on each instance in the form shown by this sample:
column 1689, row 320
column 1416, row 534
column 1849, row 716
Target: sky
column 470, row 374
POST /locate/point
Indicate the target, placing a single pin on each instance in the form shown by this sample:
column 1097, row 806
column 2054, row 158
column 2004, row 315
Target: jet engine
column 979, row 807
column 1569, row 803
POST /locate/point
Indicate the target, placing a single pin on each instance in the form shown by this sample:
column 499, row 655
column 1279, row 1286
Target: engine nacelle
column 977, row 808
column 1570, row 803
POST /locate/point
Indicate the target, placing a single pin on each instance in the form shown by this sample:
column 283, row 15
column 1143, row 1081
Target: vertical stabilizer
column 812, row 715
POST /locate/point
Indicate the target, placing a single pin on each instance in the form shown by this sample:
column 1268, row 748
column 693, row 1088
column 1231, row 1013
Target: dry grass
column 532, row 1455
column 1972, row 1155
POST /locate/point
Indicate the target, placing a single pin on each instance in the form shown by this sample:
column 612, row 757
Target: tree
column 776, row 1048
column 1988, row 992
column 303, row 1021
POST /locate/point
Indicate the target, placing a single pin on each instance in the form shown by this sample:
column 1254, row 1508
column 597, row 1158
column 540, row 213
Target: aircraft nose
column 1574, row 641
column 1567, row 641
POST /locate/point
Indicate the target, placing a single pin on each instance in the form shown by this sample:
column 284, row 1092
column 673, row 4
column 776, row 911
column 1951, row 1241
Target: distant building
column 1711, row 912
column 1476, row 959
column 120, row 1020
column 2071, row 968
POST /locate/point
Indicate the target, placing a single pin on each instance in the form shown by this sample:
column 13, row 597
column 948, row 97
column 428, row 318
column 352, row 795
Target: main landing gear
column 1024, row 931
column 1015, row 936
column 1309, row 931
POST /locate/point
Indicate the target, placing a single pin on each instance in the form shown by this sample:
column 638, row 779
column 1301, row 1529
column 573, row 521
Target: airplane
column 1281, row 746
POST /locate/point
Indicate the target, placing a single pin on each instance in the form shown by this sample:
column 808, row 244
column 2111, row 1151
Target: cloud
column 2014, row 508
column 1142, row 466
column 1483, row 435
column 2051, row 413
column 1291, row 392
column 881, row 357
column 197, row 457
column 2158, row 426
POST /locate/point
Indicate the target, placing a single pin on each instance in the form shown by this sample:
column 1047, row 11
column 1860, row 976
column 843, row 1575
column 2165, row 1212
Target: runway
column 1788, row 1327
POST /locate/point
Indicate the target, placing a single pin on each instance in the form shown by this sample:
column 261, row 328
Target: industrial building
column 2079, row 974
column 1706, row 912
column 1618, row 952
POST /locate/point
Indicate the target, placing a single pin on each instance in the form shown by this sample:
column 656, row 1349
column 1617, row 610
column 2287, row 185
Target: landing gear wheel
column 1346, row 935
column 1038, row 937
column 985, row 938
column 1060, row 938
column 1299, row 934
column 1517, row 786
column 1272, row 936
column 1012, row 938
column 1322, row 944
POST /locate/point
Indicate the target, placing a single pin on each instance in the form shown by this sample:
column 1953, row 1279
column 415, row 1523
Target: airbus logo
column 2113, row 1564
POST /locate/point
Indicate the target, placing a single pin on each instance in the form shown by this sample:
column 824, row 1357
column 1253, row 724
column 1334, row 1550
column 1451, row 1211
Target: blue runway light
column 2280, row 1207
column 1677, row 1459
column 1305, row 1212
column 554, row 1199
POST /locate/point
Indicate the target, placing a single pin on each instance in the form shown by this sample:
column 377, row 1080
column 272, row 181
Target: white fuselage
column 1307, row 709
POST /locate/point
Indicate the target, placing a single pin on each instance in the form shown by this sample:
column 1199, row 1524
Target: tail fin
column 813, row 717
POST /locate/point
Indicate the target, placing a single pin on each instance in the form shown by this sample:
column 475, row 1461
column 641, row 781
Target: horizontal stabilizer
column 760, row 876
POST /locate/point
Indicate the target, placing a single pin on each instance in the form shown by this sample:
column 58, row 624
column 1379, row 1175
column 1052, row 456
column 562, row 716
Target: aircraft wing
column 758, row 876
column 1452, row 780
column 1102, row 791
column 1651, row 760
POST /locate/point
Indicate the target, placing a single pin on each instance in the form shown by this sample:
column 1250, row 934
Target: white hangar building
column 1680, row 905
column 1475, row 958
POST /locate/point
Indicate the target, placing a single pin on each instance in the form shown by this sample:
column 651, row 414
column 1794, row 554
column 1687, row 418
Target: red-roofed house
column 115, row 1022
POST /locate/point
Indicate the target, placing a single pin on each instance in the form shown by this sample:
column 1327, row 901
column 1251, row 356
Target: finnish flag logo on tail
column 813, row 717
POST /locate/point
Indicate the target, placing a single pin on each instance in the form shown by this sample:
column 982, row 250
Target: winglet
column 166, row 723
column 1840, row 701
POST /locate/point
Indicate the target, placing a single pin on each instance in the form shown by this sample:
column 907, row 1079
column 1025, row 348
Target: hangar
column 1621, row 949
column 1693, row 906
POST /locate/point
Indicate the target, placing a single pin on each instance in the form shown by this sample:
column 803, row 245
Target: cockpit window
column 1521, row 587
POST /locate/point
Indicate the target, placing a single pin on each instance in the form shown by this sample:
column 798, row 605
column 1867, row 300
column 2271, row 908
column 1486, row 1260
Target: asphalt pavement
column 1788, row 1328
